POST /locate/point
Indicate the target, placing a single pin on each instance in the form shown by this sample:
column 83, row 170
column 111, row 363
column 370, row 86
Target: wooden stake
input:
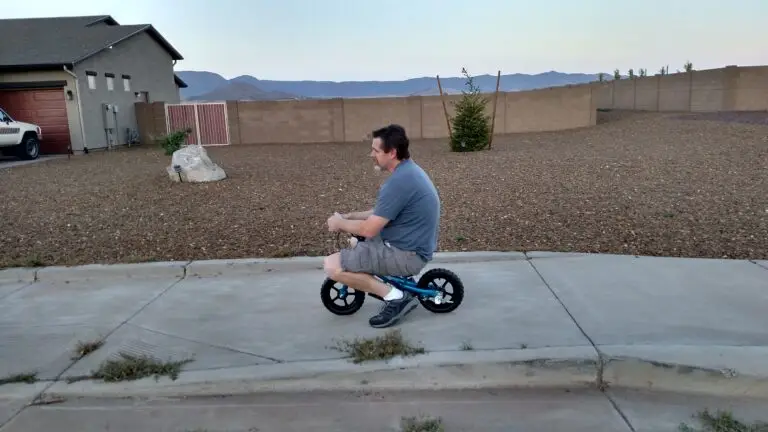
column 445, row 109
column 495, row 102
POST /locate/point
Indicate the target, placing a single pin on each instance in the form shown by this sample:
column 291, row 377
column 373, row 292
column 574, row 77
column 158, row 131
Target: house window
column 126, row 83
column 110, row 81
column 91, row 79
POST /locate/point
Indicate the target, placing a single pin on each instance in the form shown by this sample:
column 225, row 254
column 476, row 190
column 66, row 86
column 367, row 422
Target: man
column 401, row 230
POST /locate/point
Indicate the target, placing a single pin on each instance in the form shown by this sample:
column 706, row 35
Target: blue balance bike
column 432, row 295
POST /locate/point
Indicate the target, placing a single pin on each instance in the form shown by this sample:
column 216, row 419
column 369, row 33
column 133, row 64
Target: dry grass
column 129, row 367
column 25, row 378
column 646, row 184
column 421, row 424
column 723, row 421
column 390, row 344
column 84, row 348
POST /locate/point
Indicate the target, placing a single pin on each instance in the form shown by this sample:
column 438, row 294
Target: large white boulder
column 195, row 165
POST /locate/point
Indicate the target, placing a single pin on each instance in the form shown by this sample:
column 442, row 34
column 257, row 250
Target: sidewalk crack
column 619, row 411
column 601, row 384
column 208, row 344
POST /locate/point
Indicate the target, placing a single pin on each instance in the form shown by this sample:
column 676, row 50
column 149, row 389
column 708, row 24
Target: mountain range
column 210, row 86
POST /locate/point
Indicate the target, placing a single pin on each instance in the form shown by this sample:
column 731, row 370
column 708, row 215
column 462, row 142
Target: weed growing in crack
column 82, row 349
column 131, row 367
column 27, row 378
column 32, row 261
column 391, row 344
column 723, row 421
column 424, row 424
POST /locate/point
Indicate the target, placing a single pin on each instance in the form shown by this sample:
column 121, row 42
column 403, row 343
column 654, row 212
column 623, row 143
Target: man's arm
column 367, row 228
column 358, row 215
column 389, row 203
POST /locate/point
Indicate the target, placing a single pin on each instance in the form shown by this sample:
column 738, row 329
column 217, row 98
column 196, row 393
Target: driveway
column 10, row 161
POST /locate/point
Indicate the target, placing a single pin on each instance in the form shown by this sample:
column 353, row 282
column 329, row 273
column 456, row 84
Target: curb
column 172, row 269
column 210, row 268
column 218, row 267
column 676, row 369
column 16, row 397
column 213, row 268
column 542, row 367
column 735, row 371
column 18, row 275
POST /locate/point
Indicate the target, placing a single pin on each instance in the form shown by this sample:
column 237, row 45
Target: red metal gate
column 207, row 120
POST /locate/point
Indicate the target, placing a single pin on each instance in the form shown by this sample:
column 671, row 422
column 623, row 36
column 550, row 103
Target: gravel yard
column 647, row 184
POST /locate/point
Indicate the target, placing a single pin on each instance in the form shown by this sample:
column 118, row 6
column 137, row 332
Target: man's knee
column 332, row 265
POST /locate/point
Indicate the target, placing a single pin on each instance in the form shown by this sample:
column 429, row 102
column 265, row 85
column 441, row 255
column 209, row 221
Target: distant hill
column 240, row 90
column 436, row 91
column 202, row 83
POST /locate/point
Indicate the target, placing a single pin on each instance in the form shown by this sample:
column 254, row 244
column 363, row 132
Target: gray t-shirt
column 411, row 203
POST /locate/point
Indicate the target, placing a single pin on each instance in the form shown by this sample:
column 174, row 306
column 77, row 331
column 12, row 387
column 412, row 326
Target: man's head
column 389, row 147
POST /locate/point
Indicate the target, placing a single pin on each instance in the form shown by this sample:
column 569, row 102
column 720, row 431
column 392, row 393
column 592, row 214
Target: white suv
column 18, row 138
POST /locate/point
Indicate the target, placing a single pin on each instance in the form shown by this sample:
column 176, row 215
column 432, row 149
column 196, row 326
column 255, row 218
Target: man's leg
column 357, row 264
column 359, row 281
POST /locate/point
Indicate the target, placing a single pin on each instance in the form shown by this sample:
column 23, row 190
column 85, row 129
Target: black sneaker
column 393, row 310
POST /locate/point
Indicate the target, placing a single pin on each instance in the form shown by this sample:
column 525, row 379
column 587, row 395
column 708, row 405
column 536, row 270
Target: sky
column 342, row 40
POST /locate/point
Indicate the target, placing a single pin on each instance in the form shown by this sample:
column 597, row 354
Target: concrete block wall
column 550, row 109
column 731, row 88
column 352, row 120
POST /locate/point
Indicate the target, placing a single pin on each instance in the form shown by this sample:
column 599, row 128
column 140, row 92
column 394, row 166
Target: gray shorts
column 374, row 256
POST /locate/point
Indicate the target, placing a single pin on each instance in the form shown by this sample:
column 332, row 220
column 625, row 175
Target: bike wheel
column 429, row 281
column 352, row 300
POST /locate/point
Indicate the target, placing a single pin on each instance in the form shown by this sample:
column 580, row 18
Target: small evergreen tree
column 470, row 126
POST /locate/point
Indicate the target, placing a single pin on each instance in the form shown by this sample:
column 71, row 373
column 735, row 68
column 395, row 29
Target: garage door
column 44, row 107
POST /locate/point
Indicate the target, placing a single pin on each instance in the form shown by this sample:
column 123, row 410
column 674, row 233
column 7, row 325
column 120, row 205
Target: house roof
column 179, row 82
column 44, row 43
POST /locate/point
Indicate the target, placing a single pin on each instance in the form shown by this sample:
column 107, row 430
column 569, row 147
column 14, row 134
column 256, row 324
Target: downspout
column 79, row 105
column 178, row 90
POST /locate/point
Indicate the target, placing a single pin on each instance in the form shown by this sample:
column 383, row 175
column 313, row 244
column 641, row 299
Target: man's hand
column 334, row 222
column 369, row 227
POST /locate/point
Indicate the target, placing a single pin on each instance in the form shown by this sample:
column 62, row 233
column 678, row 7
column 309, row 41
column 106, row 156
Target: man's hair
column 394, row 137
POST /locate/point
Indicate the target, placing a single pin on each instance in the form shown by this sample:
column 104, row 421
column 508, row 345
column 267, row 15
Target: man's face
column 381, row 159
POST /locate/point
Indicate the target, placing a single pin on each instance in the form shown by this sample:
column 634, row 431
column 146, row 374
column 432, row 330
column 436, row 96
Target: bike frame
column 408, row 284
column 401, row 283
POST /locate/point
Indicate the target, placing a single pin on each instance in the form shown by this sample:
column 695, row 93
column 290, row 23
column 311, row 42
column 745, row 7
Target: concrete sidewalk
column 536, row 319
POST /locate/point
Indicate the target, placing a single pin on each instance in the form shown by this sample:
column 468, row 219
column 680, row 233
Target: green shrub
column 470, row 126
column 174, row 140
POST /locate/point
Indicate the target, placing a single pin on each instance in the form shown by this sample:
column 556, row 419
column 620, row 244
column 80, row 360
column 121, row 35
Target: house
column 78, row 78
